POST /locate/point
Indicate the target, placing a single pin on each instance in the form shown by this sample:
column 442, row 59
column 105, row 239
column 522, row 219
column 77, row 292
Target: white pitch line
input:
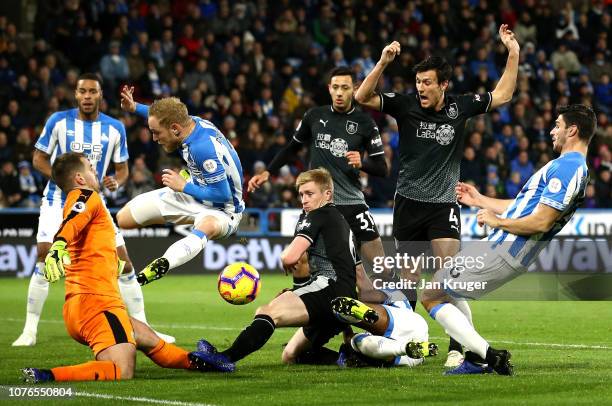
column 557, row 345
column 140, row 399
column 204, row 327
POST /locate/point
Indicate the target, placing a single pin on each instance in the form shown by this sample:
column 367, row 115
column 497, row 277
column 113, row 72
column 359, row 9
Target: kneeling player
column 326, row 235
column 94, row 313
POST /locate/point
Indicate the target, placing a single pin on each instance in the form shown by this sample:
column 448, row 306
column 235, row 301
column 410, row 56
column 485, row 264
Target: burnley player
column 325, row 234
column 338, row 136
column 432, row 131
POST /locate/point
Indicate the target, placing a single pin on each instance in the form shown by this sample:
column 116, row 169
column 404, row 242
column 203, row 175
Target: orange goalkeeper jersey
column 90, row 236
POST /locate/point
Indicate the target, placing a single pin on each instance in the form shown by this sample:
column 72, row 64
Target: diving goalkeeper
column 84, row 251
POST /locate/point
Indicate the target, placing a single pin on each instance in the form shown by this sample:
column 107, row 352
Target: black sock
column 453, row 345
column 318, row 356
column 252, row 338
column 474, row 358
column 299, row 282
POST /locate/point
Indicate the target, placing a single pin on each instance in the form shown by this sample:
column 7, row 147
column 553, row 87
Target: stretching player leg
column 286, row 310
column 441, row 308
column 446, row 248
column 185, row 249
column 49, row 222
column 131, row 291
column 38, row 290
column 397, row 331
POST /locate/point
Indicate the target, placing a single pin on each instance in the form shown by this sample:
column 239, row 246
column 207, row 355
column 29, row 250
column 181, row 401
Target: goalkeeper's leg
column 165, row 354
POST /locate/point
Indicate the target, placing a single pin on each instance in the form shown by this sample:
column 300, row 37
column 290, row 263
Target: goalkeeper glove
column 56, row 259
column 185, row 174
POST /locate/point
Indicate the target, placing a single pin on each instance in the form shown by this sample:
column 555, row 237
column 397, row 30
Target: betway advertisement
column 583, row 249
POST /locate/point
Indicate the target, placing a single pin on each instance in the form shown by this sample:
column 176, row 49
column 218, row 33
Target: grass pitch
column 562, row 353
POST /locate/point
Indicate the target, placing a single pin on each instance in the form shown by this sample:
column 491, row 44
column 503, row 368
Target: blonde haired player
column 209, row 198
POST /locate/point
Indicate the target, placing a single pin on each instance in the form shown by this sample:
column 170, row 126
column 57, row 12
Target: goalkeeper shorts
column 98, row 321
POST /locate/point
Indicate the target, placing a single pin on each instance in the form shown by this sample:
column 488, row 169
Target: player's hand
column 127, row 99
column 110, row 183
column 256, row 181
column 467, row 194
column 354, row 159
column 487, row 217
column 389, row 53
column 507, row 38
column 56, row 259
column 173, row 180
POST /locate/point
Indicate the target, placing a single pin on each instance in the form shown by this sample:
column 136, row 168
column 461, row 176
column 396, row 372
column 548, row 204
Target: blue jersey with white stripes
column 213, row 163
column 102, row 140
column 560, row 184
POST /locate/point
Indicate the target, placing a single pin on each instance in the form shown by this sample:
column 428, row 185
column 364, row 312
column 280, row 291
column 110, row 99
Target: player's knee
column 432, row 297
column 125, row 218
column 288, row 356
column 268, row 310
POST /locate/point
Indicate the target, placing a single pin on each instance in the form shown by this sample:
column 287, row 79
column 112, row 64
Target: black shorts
column 421, row 221
column 360, row 220
column 317, row 295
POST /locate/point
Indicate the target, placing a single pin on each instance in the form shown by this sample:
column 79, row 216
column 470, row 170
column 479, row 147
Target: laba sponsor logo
column 259, row 252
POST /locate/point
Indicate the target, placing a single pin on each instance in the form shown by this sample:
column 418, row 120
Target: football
column 239, row 283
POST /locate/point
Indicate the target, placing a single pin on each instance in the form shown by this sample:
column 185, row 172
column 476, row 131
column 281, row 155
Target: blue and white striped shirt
column 102, row 140
column 216, row 171
column 213, row 161
column 560, row 184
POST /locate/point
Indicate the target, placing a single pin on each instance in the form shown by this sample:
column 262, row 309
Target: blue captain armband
column 218, row 192
column 142, row 110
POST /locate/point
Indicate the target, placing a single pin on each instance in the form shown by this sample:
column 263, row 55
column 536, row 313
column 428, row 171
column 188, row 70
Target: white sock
column 465, row 309
column 131, row 292
column 185, row 249
column 409, row 362
column 457, row 325
column 37, row 295
column 377, row 346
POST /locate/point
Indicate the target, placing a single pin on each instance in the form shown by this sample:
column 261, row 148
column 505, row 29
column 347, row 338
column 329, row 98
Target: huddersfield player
column 83, row 129
column 520, row 229
column 397, row 336
column 210, row 198
column 84, row 251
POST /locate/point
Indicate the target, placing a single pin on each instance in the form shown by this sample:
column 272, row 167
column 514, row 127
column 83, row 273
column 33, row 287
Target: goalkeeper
column 84, row 251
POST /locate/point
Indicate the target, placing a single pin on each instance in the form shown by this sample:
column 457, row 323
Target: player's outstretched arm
column 507, row 83
column 540, row 220
column 130, row 105
column 366, row 95
column 468, row 195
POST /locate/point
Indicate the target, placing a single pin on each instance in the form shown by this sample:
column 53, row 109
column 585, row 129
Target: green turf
column 189, row 308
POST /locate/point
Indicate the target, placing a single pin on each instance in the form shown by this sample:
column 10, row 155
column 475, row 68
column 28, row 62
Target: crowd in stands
column 254, row 67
